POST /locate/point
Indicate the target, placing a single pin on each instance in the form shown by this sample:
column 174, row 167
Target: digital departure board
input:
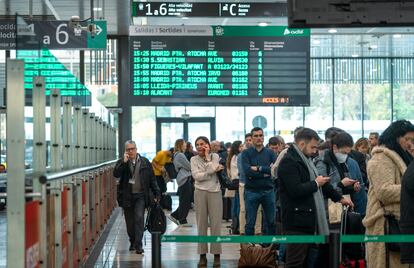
column 220, row 65
column 44, row 63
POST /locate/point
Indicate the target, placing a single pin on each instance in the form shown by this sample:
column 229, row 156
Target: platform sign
column 222, row 65
column 32, row 233
column 51, row 35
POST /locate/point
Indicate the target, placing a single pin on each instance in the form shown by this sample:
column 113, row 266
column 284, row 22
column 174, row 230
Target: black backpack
column 170, row 169
column 156, row 220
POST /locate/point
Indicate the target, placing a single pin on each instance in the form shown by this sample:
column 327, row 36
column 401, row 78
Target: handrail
column 62, row 174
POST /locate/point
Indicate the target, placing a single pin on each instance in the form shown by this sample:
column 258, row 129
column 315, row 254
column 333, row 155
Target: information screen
column 220, row 66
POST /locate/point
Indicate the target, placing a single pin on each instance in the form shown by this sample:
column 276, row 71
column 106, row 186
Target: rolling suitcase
column 352, row 255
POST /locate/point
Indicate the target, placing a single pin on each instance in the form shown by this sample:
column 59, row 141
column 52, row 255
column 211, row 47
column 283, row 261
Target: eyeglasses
column 258, row 135
column 130, row 149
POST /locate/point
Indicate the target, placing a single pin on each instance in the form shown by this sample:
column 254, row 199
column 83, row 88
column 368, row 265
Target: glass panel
column 170, row 111
column 348, row 96
column 197, row 129
column 143, row 130
column 260, row 117
column 403, row 89
column 287, row 119
column 377, row 95
column 319, row 115
column 230, row 123
column 200, row 111
column 2, row 77
column 3, row 140
column 101, row 73
column 170, row 132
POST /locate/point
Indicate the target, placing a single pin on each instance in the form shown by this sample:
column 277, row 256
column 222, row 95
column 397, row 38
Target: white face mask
column 341, row 157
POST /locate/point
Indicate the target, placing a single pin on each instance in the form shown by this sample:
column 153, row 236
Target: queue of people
column 283, row 188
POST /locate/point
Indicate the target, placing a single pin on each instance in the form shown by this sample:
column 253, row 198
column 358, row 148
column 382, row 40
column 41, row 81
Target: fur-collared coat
column 385, row 170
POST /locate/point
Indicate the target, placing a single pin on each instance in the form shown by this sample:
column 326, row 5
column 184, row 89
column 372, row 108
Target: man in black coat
column 134, row 195
column 298, row 204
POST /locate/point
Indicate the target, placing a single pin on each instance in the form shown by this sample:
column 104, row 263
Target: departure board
column 220, row 66
column 44, row 63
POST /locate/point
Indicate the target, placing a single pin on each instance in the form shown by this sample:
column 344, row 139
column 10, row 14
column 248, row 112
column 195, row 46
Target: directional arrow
column 98, row 29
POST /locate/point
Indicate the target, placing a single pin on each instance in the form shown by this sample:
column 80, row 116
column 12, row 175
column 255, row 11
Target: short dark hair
column 332, row 131
column 247, row 135
column 342, row 139
column 307, row 135
column 296, row 131
column 256, row 129
column 376, row 134
column 274, row 141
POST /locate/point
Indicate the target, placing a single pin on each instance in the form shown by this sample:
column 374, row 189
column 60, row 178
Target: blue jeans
column 235, row 211
column 252, row 201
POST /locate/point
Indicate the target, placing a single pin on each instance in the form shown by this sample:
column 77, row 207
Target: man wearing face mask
column 345, row 175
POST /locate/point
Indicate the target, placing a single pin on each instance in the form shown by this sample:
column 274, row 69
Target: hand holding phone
column 126, row 157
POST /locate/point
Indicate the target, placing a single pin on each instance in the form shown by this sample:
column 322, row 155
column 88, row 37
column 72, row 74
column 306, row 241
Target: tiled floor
column 115, row 251
column 180, row 255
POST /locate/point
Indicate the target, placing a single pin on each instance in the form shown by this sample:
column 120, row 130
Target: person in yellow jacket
column 158, row 164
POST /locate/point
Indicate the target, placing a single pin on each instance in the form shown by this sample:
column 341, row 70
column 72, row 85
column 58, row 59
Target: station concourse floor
column 111, row 250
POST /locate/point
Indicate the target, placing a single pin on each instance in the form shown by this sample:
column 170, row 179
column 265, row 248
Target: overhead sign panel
column 51, row 35
column 187, row 9
column 220, row 65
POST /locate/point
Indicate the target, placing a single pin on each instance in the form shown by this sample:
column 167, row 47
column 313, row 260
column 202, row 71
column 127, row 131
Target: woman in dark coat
column 407, row 213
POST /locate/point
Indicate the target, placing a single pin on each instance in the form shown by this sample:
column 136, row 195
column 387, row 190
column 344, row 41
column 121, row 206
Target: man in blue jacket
column 259, row 187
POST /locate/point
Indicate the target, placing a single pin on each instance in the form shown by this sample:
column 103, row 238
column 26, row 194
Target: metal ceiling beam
column 52, row 9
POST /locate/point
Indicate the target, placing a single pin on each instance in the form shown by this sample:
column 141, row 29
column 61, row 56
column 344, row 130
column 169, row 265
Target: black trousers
column 184, row 196
column 161, row 184
column 134, row 218
column 296, row 254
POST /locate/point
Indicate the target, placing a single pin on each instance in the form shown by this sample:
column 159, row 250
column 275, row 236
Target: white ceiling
column 117, row 13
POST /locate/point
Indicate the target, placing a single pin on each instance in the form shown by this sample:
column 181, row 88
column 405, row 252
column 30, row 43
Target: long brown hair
column 178, row 146
column 234, row 150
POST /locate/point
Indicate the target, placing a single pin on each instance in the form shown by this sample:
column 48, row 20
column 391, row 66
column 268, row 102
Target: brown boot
column 203, row 261
column 216, row 262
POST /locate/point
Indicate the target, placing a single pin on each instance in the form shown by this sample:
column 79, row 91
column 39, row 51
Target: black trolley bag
column 352, row 254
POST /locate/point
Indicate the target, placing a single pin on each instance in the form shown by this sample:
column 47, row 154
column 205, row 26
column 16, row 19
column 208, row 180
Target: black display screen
column 233, row 66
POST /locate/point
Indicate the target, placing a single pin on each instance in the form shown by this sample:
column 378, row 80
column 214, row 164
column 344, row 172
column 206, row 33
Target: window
column 230, row 124
column 143, row 130
column 261, row 117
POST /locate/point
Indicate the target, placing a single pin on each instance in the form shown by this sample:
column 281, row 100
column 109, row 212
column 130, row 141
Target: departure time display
column 232, row 66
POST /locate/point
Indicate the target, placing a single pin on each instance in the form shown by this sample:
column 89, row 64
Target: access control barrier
column 334, row 240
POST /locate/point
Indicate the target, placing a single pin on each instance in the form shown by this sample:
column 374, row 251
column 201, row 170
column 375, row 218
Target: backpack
column 156, row 220
column 170, row 170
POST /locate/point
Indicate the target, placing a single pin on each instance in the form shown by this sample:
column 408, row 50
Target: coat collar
column 391, row 155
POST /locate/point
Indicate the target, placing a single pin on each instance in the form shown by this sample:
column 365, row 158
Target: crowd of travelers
column 295, row 188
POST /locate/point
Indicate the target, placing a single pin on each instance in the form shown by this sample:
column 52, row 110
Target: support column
column 55, row 135
column 77, row 136
column 15, row 164
column 39, row 157
column 67, row 133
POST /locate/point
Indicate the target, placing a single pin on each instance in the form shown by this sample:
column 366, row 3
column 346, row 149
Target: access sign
column 51, row 35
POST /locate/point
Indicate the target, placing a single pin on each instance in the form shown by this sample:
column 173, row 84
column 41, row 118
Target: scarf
column 323, row 228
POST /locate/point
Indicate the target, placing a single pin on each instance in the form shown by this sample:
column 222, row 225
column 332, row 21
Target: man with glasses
column 259, row 186
column 134, row 195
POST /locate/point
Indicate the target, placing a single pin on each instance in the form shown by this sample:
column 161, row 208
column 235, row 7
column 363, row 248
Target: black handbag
column 226, row 183
column 392, row 227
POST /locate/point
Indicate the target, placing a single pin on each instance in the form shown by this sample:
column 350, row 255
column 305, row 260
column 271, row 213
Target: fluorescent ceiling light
column 316, row 42
column 354, row 55
column 397, row 36
column 332, row 31
column 184, row 18
column 263, row 24
column 97, row 9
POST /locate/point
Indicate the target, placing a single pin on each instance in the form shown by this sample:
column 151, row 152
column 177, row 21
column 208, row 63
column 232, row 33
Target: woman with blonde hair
column 388, row 164
column 183, row 168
